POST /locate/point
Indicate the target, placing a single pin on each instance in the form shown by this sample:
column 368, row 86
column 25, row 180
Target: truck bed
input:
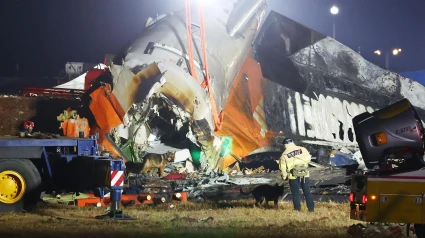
column 8, row 141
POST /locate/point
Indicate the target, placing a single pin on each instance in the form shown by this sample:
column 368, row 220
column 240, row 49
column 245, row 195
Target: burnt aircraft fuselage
column 290, row 81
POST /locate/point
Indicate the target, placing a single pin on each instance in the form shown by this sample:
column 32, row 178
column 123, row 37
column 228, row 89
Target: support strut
column 117, row 184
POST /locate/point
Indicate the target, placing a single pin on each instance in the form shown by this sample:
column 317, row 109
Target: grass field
column 209, row 219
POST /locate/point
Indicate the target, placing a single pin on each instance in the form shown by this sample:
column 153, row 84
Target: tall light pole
column 334, row 11
column 394, row 52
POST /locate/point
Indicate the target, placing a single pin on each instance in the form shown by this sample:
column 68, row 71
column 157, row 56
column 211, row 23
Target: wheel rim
column 12, row 186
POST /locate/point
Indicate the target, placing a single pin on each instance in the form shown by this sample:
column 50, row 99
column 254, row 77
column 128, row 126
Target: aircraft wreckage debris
column 154, row 106
column 327, row 183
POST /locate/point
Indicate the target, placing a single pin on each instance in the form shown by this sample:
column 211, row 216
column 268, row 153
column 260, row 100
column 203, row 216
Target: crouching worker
column 294, row 166
column 27, row 129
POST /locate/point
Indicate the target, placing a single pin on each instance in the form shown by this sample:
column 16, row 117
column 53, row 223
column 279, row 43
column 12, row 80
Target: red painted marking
column 120, row 180
column 113, row 174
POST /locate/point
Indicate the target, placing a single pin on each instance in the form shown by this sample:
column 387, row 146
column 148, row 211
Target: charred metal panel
column 322, row 117
column 277, row 40
column 340, row 87
column 316, row 85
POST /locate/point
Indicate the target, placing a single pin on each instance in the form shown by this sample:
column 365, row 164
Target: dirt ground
column 15, row 111
column 223, row 219
column 42, row 111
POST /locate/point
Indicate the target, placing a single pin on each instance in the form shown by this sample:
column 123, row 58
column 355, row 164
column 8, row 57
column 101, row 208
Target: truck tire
column 20, row 185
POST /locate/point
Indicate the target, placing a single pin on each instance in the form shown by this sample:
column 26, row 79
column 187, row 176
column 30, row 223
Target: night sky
column 42, row 35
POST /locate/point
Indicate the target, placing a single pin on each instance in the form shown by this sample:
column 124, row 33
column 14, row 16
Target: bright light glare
column 378, row 52
column 395, row 52
column 373, row 197
column 334, row 10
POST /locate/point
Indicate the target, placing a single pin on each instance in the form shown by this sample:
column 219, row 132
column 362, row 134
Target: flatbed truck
column 29, row 166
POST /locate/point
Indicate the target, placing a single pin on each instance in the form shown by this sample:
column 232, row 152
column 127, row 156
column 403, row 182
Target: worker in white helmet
column 294, row 166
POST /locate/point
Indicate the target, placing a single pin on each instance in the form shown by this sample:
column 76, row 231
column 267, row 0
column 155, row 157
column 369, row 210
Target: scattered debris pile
column 336, row 155
column 327, row 181
column 254, row 166
column 382, row 230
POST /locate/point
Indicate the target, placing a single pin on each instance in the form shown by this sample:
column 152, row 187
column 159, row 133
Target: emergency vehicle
column 392, row 190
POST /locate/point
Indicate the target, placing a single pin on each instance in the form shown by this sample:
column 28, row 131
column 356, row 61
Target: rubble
column 356, row 230
column 329, row 182
column 381, row 230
